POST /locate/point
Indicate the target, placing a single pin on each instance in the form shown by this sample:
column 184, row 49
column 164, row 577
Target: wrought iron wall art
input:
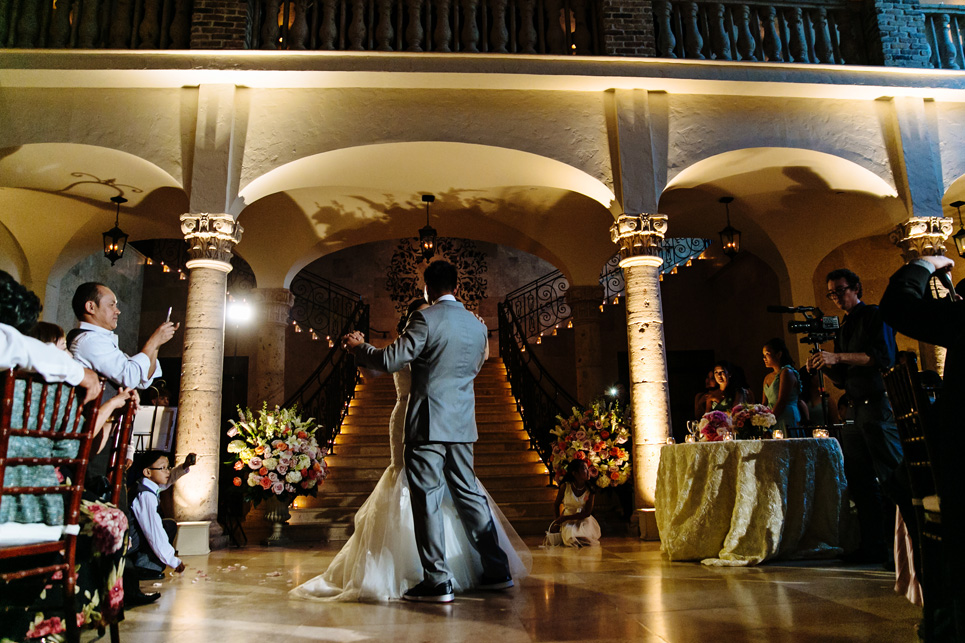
column 404, row 281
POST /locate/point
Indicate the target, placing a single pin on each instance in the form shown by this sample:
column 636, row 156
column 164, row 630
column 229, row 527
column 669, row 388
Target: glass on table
column 820, row 433
column 777, row 434
column 690, row 438
column 729, row 436
column 670, row 440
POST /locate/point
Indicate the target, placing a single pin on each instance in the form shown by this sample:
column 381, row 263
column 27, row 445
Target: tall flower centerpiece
column 599, row 435
column 714, row 426
column 753, row 421
column 276, row 458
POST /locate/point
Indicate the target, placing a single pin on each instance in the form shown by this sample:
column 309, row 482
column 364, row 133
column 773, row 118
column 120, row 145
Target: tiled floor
column 623, row 591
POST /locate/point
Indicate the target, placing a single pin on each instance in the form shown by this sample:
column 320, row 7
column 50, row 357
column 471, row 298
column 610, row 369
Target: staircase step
column 482, row 419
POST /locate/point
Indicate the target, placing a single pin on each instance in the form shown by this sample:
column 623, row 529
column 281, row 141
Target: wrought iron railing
column 467, row 26
column 321, row 306
column 945, row 30
column 541, row 304
column 758, row 31
column 676, row 252
column 539, row 398
column 326, row 393
column 96, row 24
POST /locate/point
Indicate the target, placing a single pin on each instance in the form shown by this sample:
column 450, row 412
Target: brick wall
column 628, row 28
column 219, row 24
column 896, row 35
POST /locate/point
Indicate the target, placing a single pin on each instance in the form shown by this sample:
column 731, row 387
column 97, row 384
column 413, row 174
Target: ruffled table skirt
column 744, row 502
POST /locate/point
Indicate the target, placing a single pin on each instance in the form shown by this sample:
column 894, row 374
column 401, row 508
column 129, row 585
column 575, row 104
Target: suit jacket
column 446, row 346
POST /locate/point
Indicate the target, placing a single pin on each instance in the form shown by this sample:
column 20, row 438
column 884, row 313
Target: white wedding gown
column 380, row 560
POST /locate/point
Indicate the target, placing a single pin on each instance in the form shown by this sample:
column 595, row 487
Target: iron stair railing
column 328, row 308
column 539, row 397
column 540, row 305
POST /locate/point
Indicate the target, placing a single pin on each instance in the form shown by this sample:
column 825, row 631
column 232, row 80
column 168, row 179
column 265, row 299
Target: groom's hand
column 352, row 341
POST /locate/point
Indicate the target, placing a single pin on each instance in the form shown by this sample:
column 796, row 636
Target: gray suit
column 446, row 346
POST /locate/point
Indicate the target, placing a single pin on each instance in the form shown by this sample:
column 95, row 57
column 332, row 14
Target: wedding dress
column 380, row 560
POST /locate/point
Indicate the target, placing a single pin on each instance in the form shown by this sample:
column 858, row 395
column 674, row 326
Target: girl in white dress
column 380, row 561
column 574, row 506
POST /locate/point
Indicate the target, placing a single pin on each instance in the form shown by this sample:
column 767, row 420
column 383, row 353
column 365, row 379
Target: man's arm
column 906, row 307
column 53, row 364
column 99, row 353
column 158, row 338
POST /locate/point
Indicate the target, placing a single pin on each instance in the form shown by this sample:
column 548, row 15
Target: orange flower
column 317, row 466
column 237, row 482
column 263, row 471
column 614, row 475
column 259, row 449
column 302, row 435
column 604, row 434
column 265, row 483
column 239, row 465
column 580, row 455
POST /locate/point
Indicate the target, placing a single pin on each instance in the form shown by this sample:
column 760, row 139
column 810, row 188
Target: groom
column 446, row 346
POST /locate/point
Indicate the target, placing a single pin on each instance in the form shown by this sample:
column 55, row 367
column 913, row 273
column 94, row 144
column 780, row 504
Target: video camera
column 816, row 327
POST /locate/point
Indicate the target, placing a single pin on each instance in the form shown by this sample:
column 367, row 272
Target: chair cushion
column 16, row 534
column 26, row 508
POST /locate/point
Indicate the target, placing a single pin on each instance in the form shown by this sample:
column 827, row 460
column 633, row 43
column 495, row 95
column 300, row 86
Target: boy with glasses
column 864, row 347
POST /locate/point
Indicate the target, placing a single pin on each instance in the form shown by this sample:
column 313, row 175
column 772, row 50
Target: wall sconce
column 730, row 237
column 959, row 237
column 115, row 240
column 427, row 235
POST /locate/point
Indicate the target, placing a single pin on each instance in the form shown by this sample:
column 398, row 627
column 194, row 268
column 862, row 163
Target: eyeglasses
column 838, row 293
column 167, row 468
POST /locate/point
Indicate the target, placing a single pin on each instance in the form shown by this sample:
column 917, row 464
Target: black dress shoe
column 144, row 573
column 133, row 599
column 426, row 593
column 495, row 582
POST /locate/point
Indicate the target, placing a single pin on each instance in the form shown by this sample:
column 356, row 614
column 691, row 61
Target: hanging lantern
column 427, row 235
column 730, row 237
column 115, row 239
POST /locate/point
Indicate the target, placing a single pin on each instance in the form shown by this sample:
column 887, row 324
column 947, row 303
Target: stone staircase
column 510, row 470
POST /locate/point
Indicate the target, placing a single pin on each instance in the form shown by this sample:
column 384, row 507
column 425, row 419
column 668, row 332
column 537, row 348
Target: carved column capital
column 275, row 304
column 921, row 236
column 639, row 237
column 211, row 238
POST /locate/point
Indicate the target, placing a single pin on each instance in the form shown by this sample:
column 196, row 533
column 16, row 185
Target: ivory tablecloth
column 743, row 502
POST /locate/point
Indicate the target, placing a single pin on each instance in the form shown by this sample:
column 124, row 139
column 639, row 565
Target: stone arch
column 55, row 203
column 335, row 200
column 791, row 204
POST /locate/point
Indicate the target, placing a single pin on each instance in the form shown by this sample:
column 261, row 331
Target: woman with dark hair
column 782, row 386
column 731, row 388
column 380, row 561
column 49, row 334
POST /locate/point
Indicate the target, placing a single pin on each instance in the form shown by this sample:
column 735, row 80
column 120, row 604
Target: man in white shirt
column 94, row 343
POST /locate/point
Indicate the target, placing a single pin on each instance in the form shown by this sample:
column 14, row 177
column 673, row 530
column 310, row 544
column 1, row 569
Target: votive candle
column 778, row 434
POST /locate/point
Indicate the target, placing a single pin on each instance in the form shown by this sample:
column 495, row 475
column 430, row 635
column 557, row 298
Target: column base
column 192, row 539
column 645, row 522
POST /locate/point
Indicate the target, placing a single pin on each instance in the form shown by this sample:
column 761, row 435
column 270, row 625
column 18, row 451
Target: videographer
column 872, row 448
column 907, row 305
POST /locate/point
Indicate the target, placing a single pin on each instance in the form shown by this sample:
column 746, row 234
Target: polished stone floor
column 623, row 591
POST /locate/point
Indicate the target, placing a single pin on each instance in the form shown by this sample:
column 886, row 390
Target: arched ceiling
column 332, row 201
column 955, row 192
column 55, row 202
column 792, row 205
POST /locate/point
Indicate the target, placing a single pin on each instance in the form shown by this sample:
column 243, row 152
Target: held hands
column 352, row 341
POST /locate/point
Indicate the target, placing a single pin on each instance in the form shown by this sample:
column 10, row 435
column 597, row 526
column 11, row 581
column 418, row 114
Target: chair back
column 120, row 442
column 914, row 414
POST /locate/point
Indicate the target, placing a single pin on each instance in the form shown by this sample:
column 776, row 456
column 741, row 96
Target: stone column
column 639, row 237
column 584, row 302
column 211, row 238
column 273, row 305
column 922, row 237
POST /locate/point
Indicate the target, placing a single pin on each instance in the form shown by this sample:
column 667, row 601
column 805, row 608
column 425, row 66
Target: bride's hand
column 481, row 320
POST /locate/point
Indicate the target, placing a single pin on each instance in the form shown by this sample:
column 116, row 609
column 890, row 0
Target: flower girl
column 574, row 526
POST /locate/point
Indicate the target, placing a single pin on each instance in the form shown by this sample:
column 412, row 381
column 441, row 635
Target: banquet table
column 743, row 502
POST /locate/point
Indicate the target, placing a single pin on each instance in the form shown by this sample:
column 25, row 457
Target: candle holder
column 728, row 437
column 820, row 433
column 670, row 440
column 690, row 438
column 777, row 434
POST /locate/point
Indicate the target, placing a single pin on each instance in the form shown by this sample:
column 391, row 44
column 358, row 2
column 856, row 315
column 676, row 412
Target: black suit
column 909, row 309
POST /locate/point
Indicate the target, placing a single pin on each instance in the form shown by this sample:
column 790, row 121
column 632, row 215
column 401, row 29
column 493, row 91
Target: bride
column 380, row 560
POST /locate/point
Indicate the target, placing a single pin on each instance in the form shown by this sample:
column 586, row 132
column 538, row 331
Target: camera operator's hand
column 821, row 359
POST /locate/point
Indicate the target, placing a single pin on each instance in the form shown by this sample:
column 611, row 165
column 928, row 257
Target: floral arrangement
column 597, row 435
column 714, row 426
column 276, row 454
column 752, row 421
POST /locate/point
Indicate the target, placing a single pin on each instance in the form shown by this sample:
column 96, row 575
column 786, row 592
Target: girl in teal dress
column 782, row 387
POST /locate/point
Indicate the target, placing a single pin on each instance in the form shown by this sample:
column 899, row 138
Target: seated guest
column 49, row 334
column 731, row 388
column 782, row 386
column 909, row 308
column 152, row 536
column 573, row 507
column 710, row 385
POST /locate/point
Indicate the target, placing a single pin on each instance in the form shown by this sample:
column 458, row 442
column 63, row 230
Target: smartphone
column 169, row 315
column 190, row 460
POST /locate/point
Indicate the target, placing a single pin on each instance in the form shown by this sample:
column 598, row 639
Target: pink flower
column 52, row 625
column 255, row 462
column 278, row 487
column 109, row 527
column 115, row 596
column 233, row 431
column 282, row 468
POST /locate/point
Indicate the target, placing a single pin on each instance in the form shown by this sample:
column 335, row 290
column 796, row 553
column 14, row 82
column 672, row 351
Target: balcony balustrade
column 945, row 30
